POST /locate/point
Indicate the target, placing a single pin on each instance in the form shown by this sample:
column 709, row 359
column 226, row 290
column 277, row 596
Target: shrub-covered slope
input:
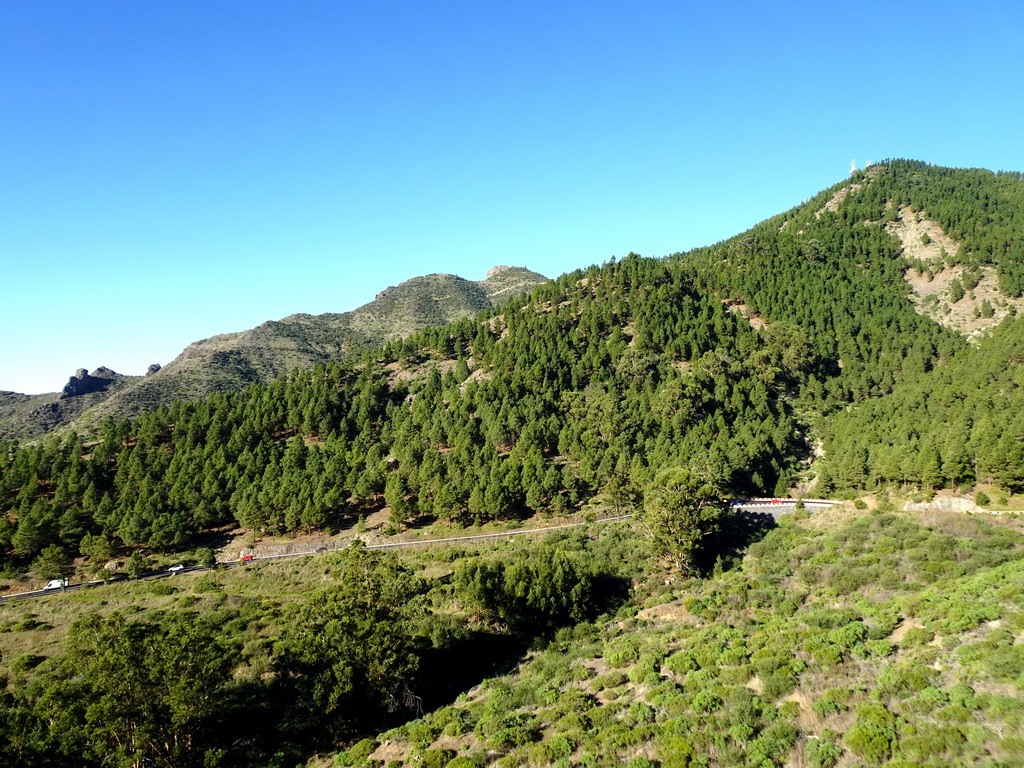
column 838, row 639
column 881, row 641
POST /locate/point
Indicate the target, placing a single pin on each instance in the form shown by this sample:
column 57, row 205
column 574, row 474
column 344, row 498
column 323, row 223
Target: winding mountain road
column 772, row 507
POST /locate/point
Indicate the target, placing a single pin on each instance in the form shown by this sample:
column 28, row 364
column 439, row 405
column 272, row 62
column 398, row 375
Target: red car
column 245, row 558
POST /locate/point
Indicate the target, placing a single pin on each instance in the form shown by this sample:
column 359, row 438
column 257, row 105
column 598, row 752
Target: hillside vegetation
column 793, row 357
column 849, row 640
column 879, row 641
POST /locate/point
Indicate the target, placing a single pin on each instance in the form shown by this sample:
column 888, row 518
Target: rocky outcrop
column 944, row 504
column 84, row 383
column 153, row 369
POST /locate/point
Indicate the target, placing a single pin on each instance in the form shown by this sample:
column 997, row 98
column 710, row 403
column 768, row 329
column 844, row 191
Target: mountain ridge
column 230, row 361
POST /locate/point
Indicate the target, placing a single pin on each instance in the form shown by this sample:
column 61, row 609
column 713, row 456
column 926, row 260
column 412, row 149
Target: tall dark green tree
column 130, row 694
column 682, row 508
column 353, row 651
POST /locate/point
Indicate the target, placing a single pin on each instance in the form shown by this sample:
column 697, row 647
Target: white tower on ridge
column 853, row 167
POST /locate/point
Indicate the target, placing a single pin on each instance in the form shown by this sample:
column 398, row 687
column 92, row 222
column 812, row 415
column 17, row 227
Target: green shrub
column 735, row 675
column 829, row 703
column 29, row 625
column 701, row 679
column 963, row 694
column 872, row 734
column 437, row 758
column 705, row 701
column 955, row 713
column 621, row 654
column 777, row 684
column 423, row 733
column 767, row 661
column 362, row 749
column 880, row 649
column 742, row 707
column 778, row 738
column 931, row 741
column 825, row 654
column 848, row 635
column 917, row 636
column 681, row 662
column 732, row 656
column 612, row 679
column 555, row 748
column 1005, row 664
column 451, row 721
column 647, row 664
column 26, row 662
column 823, row 752
column 675, row 751
column 905, row 679
column 206, row 583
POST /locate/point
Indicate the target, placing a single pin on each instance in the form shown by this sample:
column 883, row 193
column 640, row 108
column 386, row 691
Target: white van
column 56, row 584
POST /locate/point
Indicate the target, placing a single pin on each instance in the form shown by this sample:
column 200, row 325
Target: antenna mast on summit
column 853, row 167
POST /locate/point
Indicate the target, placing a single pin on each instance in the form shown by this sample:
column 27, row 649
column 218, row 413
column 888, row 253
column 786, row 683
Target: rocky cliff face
column 84, row 383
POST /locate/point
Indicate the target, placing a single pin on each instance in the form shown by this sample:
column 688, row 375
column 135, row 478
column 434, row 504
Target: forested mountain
column 739, row 354
column 232, row 361
column 802, row 354
column 596, row 381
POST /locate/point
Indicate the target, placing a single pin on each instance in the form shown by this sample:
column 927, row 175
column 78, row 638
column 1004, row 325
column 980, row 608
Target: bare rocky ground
column 931, row 292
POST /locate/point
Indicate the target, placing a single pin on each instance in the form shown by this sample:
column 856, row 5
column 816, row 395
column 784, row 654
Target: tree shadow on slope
column 462, row 663
column 737, row 531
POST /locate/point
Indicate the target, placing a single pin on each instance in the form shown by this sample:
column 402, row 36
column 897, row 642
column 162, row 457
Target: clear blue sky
column 173, row 170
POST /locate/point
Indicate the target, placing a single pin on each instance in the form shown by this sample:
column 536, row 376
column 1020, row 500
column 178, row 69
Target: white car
column 56, row 584
column 176, row 568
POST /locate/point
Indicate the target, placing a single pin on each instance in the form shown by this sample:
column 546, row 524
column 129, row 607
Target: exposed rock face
column 944, row 504
column 153, row 369
column 83, row 383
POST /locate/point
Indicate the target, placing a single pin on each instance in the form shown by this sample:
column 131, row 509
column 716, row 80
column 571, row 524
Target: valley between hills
column 865, row 346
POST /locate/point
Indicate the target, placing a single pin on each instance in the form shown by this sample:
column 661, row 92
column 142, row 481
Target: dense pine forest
column 789, row 360
column 601, row 379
